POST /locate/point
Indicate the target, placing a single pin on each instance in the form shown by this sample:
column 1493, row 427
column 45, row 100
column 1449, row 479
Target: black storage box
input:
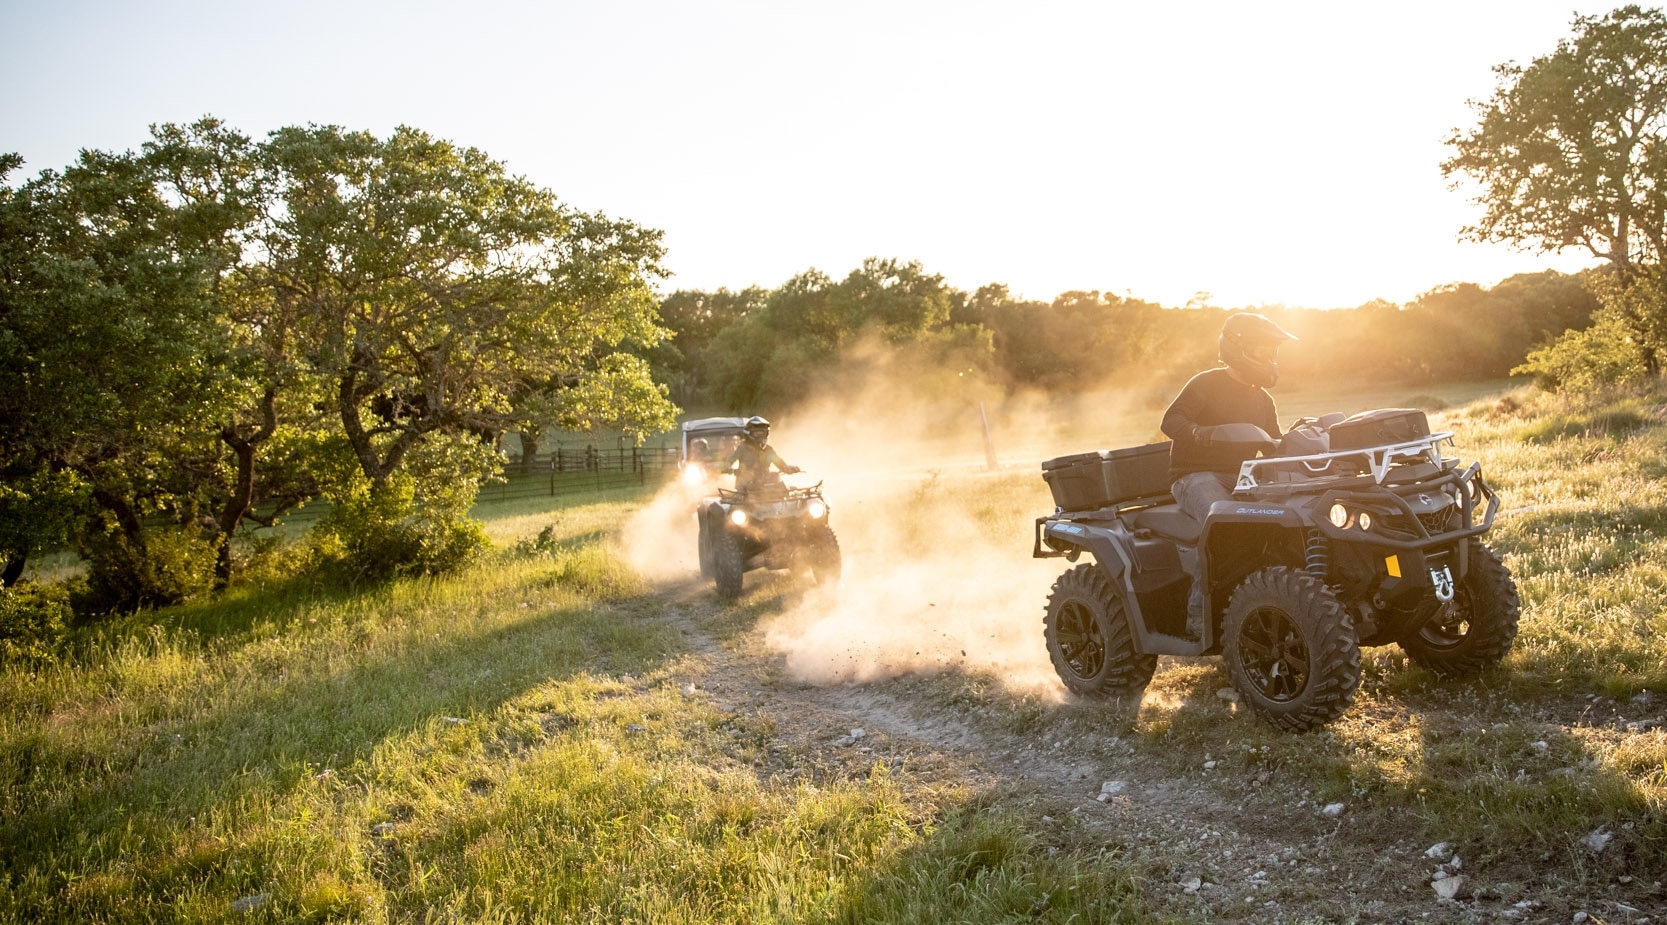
column 1137, row 472
column 1088, row 481
column 1078, row 481
column 1382, row 427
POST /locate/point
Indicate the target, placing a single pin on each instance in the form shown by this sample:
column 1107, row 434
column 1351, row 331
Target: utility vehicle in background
column 1353, row 532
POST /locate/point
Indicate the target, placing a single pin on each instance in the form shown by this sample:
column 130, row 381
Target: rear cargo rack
column 1377, row 460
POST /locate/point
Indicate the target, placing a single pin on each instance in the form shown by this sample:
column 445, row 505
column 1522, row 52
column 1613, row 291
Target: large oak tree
column 1568, row 153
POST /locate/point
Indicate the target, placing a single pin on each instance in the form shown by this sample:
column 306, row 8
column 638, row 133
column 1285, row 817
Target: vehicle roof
column 714, row 425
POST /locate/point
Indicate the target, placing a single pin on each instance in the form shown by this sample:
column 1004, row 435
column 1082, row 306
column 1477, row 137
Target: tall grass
column 511, row 744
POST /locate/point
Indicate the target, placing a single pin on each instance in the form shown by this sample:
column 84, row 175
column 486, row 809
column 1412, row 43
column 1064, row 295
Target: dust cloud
column 938, row 574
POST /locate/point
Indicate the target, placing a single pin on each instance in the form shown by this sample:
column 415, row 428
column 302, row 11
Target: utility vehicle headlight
column 1364, row 520
column 693, row 474
column 1339, row 516
column 738, row 517
column 816, row 509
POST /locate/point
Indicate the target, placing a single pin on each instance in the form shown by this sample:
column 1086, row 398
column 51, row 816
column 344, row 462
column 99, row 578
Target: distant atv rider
column 753, row 457
column 1222, row 417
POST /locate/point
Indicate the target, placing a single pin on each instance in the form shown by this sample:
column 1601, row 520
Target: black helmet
column 1248, row 345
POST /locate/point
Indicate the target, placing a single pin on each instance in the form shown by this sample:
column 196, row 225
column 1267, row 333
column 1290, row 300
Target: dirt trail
column 1221, row 841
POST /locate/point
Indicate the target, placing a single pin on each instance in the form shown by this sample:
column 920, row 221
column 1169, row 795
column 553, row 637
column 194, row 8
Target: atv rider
column 753, row 457
column 1222, row 417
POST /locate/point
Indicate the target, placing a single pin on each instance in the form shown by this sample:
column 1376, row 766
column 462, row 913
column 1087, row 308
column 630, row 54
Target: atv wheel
column 728, row 564
column 706, row 552
column 1088, row 636
column 822, row 555
column 1291, row 649
column 1475, row 629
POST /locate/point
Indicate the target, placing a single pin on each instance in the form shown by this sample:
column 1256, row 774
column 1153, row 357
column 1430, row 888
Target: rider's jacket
column 752, row 463
column 1214, row 397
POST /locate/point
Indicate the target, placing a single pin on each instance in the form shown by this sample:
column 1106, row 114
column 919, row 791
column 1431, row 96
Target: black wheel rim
column 1273, row 654
column 1449, row 626
column 1080, row 640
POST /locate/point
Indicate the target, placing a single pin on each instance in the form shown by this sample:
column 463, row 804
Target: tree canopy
column 213, row 324
column 1568, row 152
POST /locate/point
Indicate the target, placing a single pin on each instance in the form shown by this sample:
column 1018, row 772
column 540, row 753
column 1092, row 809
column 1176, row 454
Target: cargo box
column 1089, row 481
column 1078, row 481
column 1137, row 472
column 1382, row 427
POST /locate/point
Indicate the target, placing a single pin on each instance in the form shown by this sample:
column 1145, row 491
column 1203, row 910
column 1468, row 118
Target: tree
column 172, row 324
column 696, row 320
column 108, row 346
column 1569, row 150
column 1570, row 153
column 432, row 289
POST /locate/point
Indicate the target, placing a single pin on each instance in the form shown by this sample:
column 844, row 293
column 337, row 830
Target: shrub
column 167, row 567
column 385, row 533
column 1605, row 354
column 33, row 618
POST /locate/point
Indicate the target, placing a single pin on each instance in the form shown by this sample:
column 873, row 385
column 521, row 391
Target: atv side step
column 1165, row 644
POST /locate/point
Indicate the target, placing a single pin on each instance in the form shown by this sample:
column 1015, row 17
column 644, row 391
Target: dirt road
column 1216, row 837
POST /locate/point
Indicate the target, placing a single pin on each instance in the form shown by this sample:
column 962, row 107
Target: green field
column 563, row 734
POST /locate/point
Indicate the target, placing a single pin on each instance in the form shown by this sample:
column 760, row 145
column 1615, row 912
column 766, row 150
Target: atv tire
column 1474, row 630
column 1291, row 649
column 728, row 564
column 1088, row 637
column 707, row 554
column 821, row 555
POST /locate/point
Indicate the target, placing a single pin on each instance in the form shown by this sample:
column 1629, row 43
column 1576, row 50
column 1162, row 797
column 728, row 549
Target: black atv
column 770, row 526
column 1365, row 534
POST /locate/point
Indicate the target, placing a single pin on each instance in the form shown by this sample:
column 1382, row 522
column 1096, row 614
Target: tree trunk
column 13, row 569
column 530, row 437
column 349, row 394
column 128, row 521
column 242, row 496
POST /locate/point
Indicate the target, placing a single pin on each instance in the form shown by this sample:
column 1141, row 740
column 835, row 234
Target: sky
column 1235, row 154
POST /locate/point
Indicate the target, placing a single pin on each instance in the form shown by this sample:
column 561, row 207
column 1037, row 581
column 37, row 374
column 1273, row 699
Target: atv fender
column 1109, row 544
column 1069, row 539
column 1239, row 535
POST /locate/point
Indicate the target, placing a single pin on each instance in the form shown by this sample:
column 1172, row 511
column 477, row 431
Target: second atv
column 1364, row 535
column 771, row 525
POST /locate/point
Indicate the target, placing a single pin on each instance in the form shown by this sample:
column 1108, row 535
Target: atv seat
column 1169, row 521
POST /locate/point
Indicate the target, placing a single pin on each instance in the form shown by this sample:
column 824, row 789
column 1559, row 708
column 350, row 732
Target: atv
column 1352, row 532
column 771, row 526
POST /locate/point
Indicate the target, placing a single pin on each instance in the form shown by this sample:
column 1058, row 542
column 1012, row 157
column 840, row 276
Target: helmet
column 758, row 429
column 1248, row 345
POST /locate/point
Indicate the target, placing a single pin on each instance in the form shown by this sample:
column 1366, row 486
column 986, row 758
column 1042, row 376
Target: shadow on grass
column 272, row 736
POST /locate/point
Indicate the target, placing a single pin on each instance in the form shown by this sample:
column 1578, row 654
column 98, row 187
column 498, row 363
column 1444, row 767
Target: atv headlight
column 1364, row 520
column 1339, row 516
column 738, row 517
column 817, row 509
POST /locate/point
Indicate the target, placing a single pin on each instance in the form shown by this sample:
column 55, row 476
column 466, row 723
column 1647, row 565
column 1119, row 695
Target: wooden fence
column 563, row 471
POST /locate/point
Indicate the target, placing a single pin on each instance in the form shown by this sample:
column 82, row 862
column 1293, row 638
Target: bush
column 382, row 534
column 167, row 567
column 1605, row 354
column 33, row 618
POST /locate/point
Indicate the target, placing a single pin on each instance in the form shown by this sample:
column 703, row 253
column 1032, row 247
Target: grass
column 518, row 743
column 510, row 744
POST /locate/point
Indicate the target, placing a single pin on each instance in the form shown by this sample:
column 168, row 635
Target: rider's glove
column 790, row 470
